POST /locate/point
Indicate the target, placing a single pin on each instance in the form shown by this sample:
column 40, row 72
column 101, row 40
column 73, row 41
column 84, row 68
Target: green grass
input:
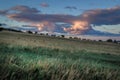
column 41, row 63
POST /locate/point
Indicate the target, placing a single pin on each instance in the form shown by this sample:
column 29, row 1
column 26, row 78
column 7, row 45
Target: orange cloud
column 78, row 27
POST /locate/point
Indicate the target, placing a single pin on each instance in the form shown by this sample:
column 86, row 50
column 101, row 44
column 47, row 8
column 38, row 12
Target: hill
column 35, row 40
column 26, row 56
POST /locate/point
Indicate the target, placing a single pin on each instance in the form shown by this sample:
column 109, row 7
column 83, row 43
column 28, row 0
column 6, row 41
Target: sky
column 75, row 17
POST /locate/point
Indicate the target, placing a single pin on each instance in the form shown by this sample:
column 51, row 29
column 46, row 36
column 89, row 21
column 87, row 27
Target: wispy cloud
column 71, row 7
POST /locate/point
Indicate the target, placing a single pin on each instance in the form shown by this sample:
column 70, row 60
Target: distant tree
column 62, row 36
column 53, row 35
column 115, row 41
column 109, row 40
column 35, row 32
column 1, row 29
column 30, row 32
column 41, row 34
column 100, row 40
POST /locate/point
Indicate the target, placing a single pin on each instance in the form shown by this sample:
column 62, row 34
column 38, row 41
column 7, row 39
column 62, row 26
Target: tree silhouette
column 100, row 40
column 109, row 40
column 30, row 32
column 53, row 35
column 62, row 36
column 1, row 29
column 115, row 41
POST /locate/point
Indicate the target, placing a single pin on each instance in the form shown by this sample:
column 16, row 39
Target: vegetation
column 36, row 40
column 109, row 40
column 33, row 57
column 1, row 28
column 37, row 63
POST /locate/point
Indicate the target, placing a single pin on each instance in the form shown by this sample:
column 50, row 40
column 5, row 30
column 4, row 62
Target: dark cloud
column 71, row 7
column 108, row 16
column 24, row 9
column 44, row 4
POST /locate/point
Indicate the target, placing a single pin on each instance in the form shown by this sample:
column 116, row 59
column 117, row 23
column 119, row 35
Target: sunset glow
column 78, row 27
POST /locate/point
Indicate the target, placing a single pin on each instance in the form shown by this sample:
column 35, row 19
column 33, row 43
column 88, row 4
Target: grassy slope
column 19, row 61
column 25, row 39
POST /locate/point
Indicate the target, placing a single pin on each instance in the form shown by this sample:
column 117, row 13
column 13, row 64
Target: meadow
column 33, row 57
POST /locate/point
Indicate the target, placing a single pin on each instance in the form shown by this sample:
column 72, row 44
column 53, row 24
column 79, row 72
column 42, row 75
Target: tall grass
column 39, row 63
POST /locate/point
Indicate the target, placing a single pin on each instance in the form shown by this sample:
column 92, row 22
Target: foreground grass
column 38, row 63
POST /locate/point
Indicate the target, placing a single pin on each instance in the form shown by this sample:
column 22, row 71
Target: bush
column 62, row 36
column 109, row 40
column 100, row 40
column 30, row 32
column 1, row 29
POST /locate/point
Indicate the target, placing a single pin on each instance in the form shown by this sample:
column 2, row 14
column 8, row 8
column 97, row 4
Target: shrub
column 109, row 40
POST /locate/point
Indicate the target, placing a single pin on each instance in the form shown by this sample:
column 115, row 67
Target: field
column 26, row 56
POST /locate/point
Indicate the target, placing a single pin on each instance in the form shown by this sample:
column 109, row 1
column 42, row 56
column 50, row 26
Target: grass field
column 25, row 39
column 34, row 57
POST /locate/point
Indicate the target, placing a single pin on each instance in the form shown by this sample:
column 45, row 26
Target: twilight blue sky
column 58, row 6
column 81, row 17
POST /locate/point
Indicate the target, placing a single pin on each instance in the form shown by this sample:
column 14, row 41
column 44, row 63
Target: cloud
column 48, row 20
column 80, row 24
column 71, row 7
column 109, row 16
column 24, row 9
column 42, row 17
column 3, row 12
column 100, row 33
column 44, row 5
